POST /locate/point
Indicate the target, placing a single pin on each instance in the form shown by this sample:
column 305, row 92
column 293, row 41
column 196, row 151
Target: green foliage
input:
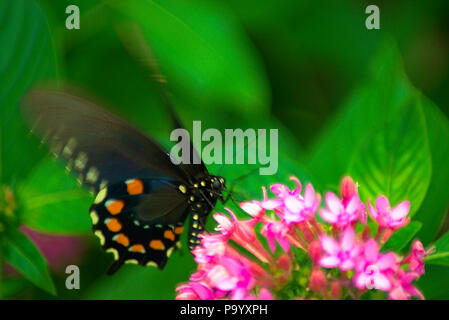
column 208, row 54
column 23, row 255
column 26, row 57
column 56, row 206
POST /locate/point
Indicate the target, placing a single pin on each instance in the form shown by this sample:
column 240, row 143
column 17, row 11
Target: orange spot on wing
column 115, row 207
column 157, row 245
column 122, row 239
column 137, row 248
column 169, row 235
column 114, row 225
column 179, row 230
column 135, row 187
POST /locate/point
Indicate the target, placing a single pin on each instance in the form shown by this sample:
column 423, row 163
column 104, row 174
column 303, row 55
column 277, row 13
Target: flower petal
column 329, row 262
column 330, row 245
column 328, row 216
column 372, row 211
column 309, row 196
column 347, row 265
column 280, row 190
column 334, row 203
column 294, row 204
column 348, row 239
column 386, row 261
column 401, row 210
column 353, row 205
column 361, row 280
column 382, row 204
column 298, row 185
column 381, row 282
column 371, row 250
column 272, row 204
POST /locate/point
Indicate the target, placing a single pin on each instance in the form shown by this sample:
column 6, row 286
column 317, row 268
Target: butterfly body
column 142, row 197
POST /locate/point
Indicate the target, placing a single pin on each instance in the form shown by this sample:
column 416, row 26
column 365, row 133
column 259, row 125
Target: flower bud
column 284, row 263
column 336, row 290
column 315, row 251
column 317, row 281
column 347, row 188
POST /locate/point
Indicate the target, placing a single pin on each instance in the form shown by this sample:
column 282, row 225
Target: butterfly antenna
column 242, row 150
column 141, row 51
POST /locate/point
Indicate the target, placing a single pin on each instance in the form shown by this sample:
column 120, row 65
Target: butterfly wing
column 135, row 221
column 139, row 210
column 98, row 146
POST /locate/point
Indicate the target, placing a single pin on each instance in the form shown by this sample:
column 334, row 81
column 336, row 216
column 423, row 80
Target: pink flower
column 416, row 258
column 231, row 275
column 265, row 294
column 373, row 269
column 213, row 246
column 322, row 253
column 341, row 254
column 290, row 205
column 276, row 230
column 403, row 288
column 194, row 291
column 339, row 214
column 242, row 232
column 389, row 218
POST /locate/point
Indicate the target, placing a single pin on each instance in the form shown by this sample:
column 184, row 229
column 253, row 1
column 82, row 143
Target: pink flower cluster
column 337, row 262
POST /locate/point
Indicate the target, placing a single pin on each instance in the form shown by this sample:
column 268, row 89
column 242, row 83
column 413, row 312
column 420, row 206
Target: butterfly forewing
column 98, row 147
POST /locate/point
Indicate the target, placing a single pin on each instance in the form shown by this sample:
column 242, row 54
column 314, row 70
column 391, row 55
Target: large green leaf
column 435, row 282
column 394, row 159
column 23, row 255
column 202, row 48
column 26, row 57
column 436, row 203
column 53, row 202
column 366, row 111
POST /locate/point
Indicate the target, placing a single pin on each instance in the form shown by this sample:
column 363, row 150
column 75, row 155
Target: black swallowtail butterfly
column 143, row 199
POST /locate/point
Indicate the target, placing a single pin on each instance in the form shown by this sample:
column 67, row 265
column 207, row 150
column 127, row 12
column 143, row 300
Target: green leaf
column 402, row 237
column 24, row 256
column 434, row 207
column 435, row 282
column 441, row 253
column 53, row 202
column 26, row 57
column 11, row 287
column 364, row 112
column 203, row 48
column 394, row 159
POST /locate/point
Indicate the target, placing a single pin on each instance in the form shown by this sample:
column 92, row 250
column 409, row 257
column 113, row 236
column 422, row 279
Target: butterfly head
column 218, row 183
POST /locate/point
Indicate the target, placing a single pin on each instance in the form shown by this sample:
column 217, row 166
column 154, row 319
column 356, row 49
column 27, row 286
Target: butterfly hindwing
column 126, row 234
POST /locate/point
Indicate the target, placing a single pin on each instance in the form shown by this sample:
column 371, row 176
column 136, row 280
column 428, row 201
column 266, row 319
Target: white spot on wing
column 92, row 175
column 101, row 195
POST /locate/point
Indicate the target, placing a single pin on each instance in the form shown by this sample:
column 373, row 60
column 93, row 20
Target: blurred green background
column 346, row 100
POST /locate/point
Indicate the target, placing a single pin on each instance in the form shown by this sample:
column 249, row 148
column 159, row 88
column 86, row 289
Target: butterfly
column 142, row 197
